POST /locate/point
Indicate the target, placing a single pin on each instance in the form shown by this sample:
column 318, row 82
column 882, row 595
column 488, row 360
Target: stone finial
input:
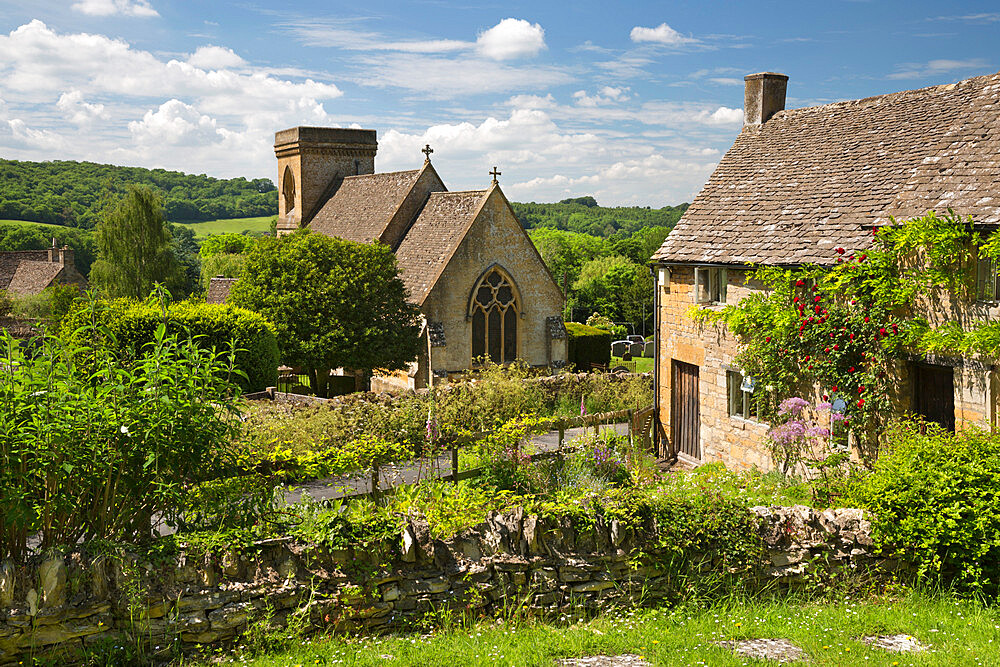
column 427, row 150
column 494, row 174
column 764, row 96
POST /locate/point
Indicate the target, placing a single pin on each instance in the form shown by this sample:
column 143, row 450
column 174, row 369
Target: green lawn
column 637, row 365
column 956, row 632
column 28, row 223
column 233, row 226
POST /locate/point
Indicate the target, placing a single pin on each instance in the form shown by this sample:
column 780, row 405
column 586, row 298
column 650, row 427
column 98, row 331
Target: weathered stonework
column 66, row 604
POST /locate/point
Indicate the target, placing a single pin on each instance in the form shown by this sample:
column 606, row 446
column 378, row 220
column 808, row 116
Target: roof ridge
column 382, row 173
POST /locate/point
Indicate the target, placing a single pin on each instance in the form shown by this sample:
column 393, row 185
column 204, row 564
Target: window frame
column 717, row 278
column 987, row 279
column 749, row 409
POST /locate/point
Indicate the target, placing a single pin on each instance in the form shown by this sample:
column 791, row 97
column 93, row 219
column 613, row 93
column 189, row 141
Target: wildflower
column 583, row 407
column 124, row 430
column 792, row 406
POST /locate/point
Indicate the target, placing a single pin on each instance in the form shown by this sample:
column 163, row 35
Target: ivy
column 841, row 328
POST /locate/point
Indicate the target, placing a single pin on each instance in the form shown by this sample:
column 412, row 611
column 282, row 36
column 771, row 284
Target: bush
column 588, row 345
column 132, row 325
column 96, row 451
column 935, row 500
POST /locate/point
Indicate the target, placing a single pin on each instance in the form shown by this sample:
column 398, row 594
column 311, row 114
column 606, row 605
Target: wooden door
column 934, row 394
column 685, row 422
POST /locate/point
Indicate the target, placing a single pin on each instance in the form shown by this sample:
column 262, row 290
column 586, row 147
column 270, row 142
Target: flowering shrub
column 841, row 327
column 802, row 433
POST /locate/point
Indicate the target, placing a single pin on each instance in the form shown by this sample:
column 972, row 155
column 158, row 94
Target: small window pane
column 494, row 279
column 986, row 279
column 504, row 294
column 510, row 335
column 484, row 295
column 704, row 285
column 478, row 334
column 736, row 395
column 495, row 336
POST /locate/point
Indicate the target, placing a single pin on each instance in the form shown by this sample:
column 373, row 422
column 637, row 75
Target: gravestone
column 649, row 349
column 636, row 349
column 619, row 347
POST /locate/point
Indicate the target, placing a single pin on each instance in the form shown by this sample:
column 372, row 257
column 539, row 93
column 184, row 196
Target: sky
column 630, row 102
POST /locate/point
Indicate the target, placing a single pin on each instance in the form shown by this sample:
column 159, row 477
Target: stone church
column 464, row 257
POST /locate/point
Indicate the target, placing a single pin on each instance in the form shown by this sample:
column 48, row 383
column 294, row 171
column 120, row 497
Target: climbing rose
column 861, row 402
column 767, row 339
column 840, row 251
column 799, row 283
column 817, row 298
column 883, row 331
column 851, row 369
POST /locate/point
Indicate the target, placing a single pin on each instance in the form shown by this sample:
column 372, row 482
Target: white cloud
column 726, row 81
column 32, row 138
column 175, row 123
column 511, row 38
column 938, row 67
column 725, row 116
column 605, row 96
column 77, row 111
column 215, row 57
column 661, row 34
column 140, row 8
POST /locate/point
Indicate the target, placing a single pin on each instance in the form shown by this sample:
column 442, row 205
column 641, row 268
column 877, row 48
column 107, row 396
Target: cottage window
column 987, row 280
column 741, row 402
column 494, row 319
column 710, row 285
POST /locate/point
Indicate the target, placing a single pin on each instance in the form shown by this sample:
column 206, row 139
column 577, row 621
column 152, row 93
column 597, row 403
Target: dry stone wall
column 60, row 605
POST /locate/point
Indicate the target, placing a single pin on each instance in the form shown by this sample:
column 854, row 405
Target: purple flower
column 823, row 407
column 793, row 406
column 583, row 407
column 818, row 432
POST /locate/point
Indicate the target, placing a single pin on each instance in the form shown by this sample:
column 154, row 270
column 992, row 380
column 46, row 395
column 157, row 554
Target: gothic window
column 494, row 319
column 288, row 189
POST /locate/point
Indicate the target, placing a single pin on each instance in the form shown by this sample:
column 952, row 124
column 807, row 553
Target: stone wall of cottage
column 60, row 605
column 737, row 442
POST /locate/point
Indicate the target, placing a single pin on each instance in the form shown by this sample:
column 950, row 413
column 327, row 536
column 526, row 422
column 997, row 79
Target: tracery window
column 494, row 319
column 288, row 190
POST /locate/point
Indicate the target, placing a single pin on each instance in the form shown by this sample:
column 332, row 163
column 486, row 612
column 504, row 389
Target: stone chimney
column 54, row 254
column 68, row 257
column 763, row 97
column 310, row 159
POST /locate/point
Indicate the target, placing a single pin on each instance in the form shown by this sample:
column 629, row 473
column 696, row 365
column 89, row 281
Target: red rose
column 827, row 350
column 817, row 298
column 853, row 302
column 817, row 310
column 799, row 283
column 834, row 389
column 836, row 347
column 882, row 331
column 861, row 402
column 863, row 258
column 851, row 369
column 840, row 251
column 825, row 397
column 806, row 358
column 852, row 336
column 861, row 389
column 795, row 300
column 810, row 366
column 839, row 260
column 866, row 318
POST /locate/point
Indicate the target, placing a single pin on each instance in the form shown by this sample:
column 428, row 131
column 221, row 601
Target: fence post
column 454, row 464
column 562, row 433
column 375, row 491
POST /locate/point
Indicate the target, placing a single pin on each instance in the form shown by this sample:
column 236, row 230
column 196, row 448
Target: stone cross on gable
column 494, row 174
column 427, row 150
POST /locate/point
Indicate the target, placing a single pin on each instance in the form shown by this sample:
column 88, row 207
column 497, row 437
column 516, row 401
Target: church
column 466, row 262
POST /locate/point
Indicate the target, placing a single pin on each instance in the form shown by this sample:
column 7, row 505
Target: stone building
column 28, row 272
column 464, row 257
column 795, row 185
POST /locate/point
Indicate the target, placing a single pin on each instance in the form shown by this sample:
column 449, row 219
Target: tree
column 334, row 304
column 615, row 287
column 134, row 247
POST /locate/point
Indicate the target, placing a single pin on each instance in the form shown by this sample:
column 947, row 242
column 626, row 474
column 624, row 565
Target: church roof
column 362, row 207
column 434, row 237
column 805, row 182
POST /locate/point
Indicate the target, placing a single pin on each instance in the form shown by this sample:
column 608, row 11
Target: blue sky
column 631, row 102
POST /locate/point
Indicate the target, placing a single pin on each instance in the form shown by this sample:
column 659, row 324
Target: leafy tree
column 334, row 304
column 226, row 243
column 615, row 287
column 134, row 247
column 185, row 250
column 32, row 237
column 224, row 265
column 582, row 215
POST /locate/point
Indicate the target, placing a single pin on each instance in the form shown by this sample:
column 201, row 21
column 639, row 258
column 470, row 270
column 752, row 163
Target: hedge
column 588, row 345
column 133, row 325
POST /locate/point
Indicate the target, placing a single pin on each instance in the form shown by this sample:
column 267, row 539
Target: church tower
column 310, row 162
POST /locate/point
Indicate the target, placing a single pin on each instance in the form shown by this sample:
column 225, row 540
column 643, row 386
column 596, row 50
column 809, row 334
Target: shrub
column 588, row 345
column 935, row 500
column 96, row 451
column 131, row 325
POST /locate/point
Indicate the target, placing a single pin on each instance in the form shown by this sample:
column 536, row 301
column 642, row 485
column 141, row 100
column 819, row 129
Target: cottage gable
column 28, row 272
column 795, row 186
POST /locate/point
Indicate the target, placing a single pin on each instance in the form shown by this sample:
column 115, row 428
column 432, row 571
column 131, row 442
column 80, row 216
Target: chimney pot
column 764, row 96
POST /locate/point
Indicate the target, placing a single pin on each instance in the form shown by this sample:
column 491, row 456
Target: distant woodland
column 72, row 193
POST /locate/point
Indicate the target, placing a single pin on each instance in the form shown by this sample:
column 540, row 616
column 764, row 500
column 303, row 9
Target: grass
column 959, row 632
column 28, row 223
column 233, row 226
column 637, row 365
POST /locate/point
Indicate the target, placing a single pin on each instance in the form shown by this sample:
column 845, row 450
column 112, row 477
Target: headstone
column 635, row 338
column 619, row 347
column 636, row 349
column 649, row 349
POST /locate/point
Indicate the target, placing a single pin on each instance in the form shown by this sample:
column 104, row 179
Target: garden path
column 410, row 472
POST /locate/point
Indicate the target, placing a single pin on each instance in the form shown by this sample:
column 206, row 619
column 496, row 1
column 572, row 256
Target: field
column 234, row 226
column 952, row 632
column 201, row 229
column 637, row 365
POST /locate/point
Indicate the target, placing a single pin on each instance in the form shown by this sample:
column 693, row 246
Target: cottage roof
column 25, row 272
column 433, row 238
column 792, row 189
column 219, row 288
column 362, row 207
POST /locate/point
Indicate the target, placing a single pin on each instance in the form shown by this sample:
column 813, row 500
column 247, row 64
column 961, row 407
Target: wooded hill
column 583, row 215
column 70, row 193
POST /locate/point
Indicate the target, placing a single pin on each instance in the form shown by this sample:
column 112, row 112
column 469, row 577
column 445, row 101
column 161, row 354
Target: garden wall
column 61, row 605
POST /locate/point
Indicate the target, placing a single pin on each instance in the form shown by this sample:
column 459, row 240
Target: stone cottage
column 464, row 257
column 28, row 272
column 795, row 185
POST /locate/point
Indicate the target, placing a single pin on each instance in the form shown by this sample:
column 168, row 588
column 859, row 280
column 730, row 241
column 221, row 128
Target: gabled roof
column 33, row 277
column 434, row 237
column 219, row 288
column 362, row 207
column 805, row 182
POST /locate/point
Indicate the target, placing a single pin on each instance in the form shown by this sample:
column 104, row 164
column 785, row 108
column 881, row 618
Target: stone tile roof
column 791, row 190
column 434, row 237
column 25, row 272
column 362, row 206
column 218, row 289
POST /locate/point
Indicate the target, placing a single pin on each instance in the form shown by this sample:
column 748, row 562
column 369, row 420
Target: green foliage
column 51, row 304
column 358, row 524
column 359, row 454
column 587, row 345
column 69, row 193
column 133, row 247
column 222, row 265
column 227, row 244
column 32, row 237
column 615, row 287
column 935, row 501
column 95, row 451
column 334, row 303
column 584, row 216
column 131, row 325
column 599, row 321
